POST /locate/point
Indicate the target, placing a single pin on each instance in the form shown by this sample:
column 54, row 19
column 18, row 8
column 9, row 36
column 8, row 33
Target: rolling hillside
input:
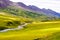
column 42, row 24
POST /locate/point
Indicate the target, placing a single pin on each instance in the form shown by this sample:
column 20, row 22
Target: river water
column 18, row 28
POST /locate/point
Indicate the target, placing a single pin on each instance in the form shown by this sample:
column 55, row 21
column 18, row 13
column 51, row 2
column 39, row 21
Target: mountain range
column 31, row 11
column 36, row 9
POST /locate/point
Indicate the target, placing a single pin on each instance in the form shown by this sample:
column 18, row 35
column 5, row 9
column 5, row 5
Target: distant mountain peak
column 33, row 7
column 21, row 4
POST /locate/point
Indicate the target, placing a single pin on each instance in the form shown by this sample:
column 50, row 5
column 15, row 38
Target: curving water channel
column 18, row 28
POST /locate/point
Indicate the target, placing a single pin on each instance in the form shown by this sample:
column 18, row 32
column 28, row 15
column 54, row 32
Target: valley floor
column 34, row 31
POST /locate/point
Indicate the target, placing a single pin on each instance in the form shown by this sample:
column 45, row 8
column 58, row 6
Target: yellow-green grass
column 6, row 17
column 27, row 35
column 43, row 25
column 42, row 30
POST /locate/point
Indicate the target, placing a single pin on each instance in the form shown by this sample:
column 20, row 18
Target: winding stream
column 18, row 28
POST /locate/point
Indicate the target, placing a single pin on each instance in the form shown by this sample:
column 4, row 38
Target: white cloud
column 51, row 4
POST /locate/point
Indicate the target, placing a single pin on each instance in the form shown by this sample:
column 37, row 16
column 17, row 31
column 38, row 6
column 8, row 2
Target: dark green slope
column 27, row 14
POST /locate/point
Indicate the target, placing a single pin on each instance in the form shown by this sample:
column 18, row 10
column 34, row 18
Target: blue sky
column 48, row 4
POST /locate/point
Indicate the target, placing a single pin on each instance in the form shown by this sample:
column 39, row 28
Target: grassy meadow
column 35, row 30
